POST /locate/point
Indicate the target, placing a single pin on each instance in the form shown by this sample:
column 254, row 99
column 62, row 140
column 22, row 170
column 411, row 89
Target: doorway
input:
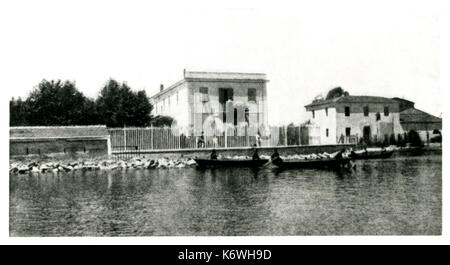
column 225, row 94
column 366, row 134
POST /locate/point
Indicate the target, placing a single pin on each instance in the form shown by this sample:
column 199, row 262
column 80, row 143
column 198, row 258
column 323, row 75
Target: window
column 347, row 131
column 251, row 93
column 326, row 132
column 347, row 111
column 378, row 116
column 314, row 114
column 386, row 111
column 326, row 111
column 225, row 94
column 235, row 117
column 366, row 111
column 204, row 97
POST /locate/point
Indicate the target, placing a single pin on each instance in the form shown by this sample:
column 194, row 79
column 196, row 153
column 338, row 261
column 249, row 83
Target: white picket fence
column 165, row 138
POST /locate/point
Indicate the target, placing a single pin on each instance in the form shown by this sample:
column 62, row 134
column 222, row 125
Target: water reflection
column 400, row 195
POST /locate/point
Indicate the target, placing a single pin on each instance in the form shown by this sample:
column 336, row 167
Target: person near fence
column 201, row 141
column 341, row 139
column 258, row 139
column 215, row 141
column 182, row 140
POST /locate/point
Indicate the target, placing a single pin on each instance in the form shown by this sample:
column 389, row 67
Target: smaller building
column 350, row 119
column 42, row 140
column 417, row 121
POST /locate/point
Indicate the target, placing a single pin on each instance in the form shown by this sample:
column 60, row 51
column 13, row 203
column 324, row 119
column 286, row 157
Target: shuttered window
column 251, row 93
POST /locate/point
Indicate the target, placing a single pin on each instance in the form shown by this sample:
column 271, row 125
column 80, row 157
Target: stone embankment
column 18, row 167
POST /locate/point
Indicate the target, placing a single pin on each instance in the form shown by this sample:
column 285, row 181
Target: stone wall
column 52, row 146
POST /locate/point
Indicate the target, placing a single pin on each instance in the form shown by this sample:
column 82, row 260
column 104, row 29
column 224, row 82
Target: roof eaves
column 168, row 89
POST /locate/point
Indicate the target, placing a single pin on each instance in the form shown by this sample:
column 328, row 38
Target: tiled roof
column 415, row 115
column 352, row 99
column 57, row 132
column 365, row 99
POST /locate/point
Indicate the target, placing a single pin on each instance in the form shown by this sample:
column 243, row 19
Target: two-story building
column 350, row 118
column 222, row 97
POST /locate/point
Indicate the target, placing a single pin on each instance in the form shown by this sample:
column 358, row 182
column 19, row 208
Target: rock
column 14, row 170
column 67, row 168
column 23, row 170
column 33, row 164
column 191, row 162
column 44, row 168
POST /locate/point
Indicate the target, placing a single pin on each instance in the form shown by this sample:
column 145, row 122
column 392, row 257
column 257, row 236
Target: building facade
column 213, row 99
column 350, row 119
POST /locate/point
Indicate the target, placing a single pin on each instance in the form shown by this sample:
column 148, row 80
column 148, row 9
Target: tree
column 392, row 140
column 336, row 92
column 55, row 103
column 414, row 138
column 18, row 112
column 143, row 109
column 90, row 113
column 119, row 106
column 160, row 121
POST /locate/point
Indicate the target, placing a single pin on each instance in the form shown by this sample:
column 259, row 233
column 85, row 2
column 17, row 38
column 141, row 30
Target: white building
column 347, row 119
column 203, row 96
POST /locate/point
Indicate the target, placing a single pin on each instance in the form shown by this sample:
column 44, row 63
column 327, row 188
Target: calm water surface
column 396, row 196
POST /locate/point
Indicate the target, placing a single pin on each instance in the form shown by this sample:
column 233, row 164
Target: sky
column 368, row 48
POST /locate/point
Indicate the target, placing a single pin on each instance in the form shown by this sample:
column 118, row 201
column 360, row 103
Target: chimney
column 161, row 87
column 184, row 73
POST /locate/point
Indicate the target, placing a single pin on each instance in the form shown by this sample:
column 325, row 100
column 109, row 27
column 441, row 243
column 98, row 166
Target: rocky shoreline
column 109, row 164
column 39, row 166
column 17, row 167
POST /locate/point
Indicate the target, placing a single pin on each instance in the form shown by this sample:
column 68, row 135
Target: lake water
column 396, row 196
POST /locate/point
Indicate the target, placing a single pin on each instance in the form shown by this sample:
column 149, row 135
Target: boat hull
column 230, row 163
column 372, row 156
column 312, row 163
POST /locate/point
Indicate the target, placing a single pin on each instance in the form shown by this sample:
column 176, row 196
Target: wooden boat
column 371, row 155
column 312, row 163
column 230, row 162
